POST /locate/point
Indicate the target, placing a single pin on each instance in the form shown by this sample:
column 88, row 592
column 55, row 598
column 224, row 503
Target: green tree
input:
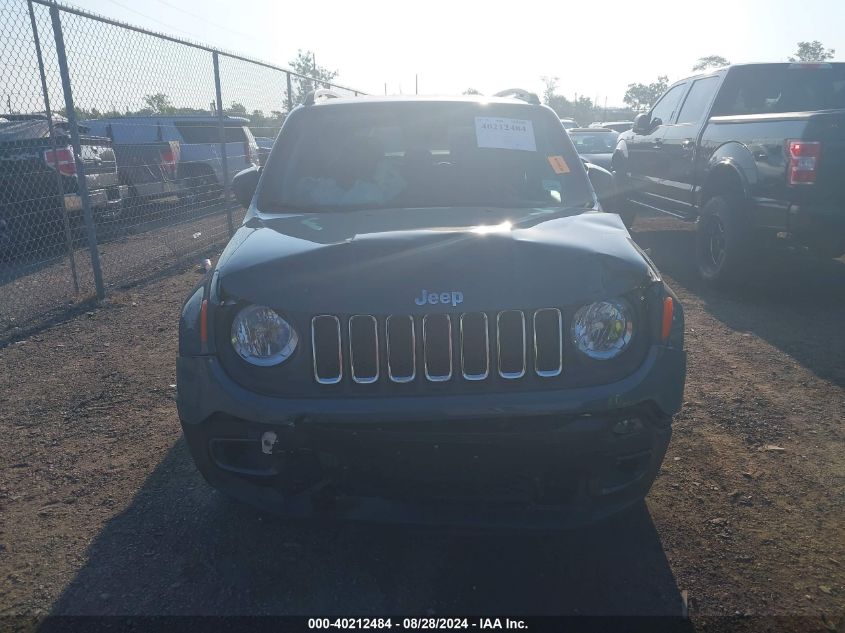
column 263, row 125
column 583, row 111
column 643, row 96
column 560, row 104
column 236, row 109
column 312, row 75
column 549, row 92
column 812, row 52
column 159, row 103
column 710, row 61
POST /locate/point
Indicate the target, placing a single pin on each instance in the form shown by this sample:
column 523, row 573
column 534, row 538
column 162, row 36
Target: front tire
column 721, row 239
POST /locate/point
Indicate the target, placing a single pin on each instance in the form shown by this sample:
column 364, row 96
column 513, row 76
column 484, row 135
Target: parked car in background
column 265, row 144
column 617, row 126
column 568, row 124
column 595, row 144
column 753, row 152
column 40, row 186
column 148, row 168
column 382, row 339
column 200, row 163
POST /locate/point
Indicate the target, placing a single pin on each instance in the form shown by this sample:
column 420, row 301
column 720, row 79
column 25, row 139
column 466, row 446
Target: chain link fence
column 118, row 146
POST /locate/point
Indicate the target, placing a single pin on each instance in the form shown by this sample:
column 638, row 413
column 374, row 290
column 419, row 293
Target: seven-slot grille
column 437, row 347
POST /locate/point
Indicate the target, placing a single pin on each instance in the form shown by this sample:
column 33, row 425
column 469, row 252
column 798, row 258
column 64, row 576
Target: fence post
column 221, row 124
column 290, row 94
column 77, row 152
column 48, row 112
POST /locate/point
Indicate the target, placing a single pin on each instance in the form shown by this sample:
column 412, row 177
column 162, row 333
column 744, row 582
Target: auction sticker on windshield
column 502, row 133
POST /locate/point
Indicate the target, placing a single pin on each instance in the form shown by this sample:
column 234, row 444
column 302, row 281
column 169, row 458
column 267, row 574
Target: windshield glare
column 422, row 155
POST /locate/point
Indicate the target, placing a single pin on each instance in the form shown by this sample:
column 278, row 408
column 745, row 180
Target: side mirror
column 604, row 184
column 642, row 123
column 244, row 185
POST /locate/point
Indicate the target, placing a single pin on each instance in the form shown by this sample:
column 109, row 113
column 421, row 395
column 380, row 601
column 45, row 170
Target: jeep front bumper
column 543, row 459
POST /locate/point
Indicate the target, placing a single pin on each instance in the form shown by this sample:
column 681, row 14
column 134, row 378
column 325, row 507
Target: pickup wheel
column 721, row 239
column 201, row 186
column 15, row 237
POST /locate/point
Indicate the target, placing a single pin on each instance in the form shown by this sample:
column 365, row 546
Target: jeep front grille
column 437, row 347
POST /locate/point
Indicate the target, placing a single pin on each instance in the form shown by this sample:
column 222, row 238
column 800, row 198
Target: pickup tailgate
column 99, row 161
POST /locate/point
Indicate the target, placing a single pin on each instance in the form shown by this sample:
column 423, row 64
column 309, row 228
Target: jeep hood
column 380, row 261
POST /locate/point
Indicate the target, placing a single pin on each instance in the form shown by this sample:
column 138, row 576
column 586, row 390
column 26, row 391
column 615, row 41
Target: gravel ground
column 102, row 511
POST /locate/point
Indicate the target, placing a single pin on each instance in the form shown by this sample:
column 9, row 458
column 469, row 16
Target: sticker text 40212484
column 505, row 133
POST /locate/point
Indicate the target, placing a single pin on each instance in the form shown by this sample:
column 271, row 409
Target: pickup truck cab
column 751, row 152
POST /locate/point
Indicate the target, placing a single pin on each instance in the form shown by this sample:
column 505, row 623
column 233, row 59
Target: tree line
column 640, row 97
column 310, row 77
column 581, row 108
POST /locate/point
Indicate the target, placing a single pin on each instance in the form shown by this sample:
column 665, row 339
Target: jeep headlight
column 261, row 337
column 602, row 330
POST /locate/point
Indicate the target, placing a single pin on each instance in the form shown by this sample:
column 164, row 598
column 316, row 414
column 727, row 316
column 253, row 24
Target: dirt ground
column 102, row 511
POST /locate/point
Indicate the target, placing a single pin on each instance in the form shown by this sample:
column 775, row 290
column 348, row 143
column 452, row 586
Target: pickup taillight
column 169, row 158
column 803, row 162
column 61, row 159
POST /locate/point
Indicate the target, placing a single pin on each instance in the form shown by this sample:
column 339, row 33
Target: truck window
column 208, row 132
column 699, row 97
column 125, row 131
column 781, row 88
column 665, row 106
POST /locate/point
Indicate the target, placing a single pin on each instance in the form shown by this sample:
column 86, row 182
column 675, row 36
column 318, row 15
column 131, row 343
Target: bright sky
column 453, row 45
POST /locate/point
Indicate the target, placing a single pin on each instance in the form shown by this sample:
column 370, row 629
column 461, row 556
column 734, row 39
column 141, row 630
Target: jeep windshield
column 422, row 154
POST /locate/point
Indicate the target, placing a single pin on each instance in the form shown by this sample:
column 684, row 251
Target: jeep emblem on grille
column 453, row 297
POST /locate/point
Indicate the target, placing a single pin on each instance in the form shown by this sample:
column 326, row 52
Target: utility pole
column 416, row 84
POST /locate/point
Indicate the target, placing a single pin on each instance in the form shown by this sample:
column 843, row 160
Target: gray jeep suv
column 426, row 317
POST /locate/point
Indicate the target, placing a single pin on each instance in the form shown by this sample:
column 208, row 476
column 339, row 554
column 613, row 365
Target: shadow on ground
column 180, row 548
column 793, row 301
